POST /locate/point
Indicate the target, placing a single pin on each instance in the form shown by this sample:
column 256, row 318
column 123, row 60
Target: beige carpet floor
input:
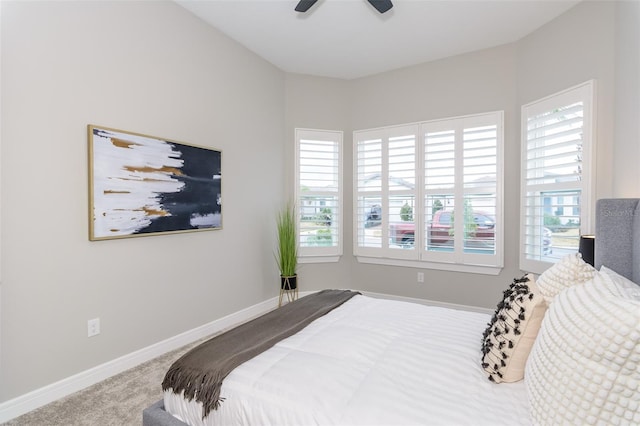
column 117, row 401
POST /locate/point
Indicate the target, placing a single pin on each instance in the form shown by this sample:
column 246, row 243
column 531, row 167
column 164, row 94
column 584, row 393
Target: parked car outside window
column 480, row 235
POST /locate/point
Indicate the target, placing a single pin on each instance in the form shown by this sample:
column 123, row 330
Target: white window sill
column 454, row 267
column 318, row 259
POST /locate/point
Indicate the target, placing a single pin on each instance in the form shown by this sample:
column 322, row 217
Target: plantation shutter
column 319, row 192
column 556, row 176
column 462, row 187
column 369, row 204
column 482, row 225
column 429, row 194
column 440, row 188
column 385, row 164
column 401, row 178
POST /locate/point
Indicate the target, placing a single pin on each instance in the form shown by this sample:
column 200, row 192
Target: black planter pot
column 289, row 283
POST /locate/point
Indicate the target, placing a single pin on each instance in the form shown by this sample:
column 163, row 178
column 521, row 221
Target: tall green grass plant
column 287, row 253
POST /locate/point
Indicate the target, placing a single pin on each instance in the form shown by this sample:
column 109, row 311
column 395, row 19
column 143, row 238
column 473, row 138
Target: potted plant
column 287, row 253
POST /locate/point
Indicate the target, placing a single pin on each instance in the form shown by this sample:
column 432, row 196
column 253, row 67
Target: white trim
column 417, row 256
column 318, row 259
column 587, row 93
column 321, row 254
column 455, row 267
column 44, row 395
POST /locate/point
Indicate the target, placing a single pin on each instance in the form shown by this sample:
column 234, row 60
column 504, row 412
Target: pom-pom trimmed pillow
column 509, row 336
column 584, row 367
column 569, row 271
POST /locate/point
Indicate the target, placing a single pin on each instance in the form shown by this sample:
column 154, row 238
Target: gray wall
column 322, row 103
column 473, row 83
column 148, row 67
column 627, row 104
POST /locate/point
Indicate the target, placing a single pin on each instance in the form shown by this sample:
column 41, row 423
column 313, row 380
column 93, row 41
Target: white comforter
column 369, row 362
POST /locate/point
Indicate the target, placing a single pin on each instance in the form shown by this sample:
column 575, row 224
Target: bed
column 371, row 361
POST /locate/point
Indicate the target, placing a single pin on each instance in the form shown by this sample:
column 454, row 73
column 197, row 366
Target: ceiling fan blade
column 304, row 5
column 381, row 5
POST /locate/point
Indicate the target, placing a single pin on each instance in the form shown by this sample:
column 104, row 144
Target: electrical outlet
column 93, row 327
column 420, row 277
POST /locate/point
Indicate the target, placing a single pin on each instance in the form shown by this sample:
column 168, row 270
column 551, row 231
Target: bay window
column 429, row 194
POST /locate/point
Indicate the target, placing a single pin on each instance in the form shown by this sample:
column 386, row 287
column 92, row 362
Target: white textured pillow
column 584, row 367
column 623, row 286
column 569, row 271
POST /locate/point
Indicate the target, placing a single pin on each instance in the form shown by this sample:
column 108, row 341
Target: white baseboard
column 30, row 401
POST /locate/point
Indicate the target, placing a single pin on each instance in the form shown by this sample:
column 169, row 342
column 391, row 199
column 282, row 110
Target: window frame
column 334, row 252
column 418, row 256
column 585, row 93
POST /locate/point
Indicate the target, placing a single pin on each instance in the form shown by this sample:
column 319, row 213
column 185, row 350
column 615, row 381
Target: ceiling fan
column 381, row 5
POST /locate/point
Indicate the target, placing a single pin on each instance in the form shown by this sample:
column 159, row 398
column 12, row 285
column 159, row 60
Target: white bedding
column 369, row 362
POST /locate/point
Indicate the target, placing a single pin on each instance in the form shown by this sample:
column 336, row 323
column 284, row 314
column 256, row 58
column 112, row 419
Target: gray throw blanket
column 199, row 372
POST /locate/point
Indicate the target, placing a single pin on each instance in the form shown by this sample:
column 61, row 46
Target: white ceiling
column 350, row 39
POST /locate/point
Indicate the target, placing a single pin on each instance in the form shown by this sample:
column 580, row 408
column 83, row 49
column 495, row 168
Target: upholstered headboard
column 617, row 244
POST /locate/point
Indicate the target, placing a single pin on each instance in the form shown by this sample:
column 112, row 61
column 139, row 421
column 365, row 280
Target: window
column 319, row 194
column 557, row 176
column 409, row 181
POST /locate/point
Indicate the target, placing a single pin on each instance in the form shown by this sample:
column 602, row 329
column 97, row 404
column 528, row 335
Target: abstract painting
column 142, row 185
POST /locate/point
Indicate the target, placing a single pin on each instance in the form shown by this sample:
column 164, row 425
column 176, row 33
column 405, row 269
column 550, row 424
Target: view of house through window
column 319, row 192
column 430, row 191
column 556, row 179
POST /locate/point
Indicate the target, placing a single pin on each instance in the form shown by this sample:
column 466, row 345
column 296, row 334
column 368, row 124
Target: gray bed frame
column 618, row 236
column 617, row 244
column 155, row 415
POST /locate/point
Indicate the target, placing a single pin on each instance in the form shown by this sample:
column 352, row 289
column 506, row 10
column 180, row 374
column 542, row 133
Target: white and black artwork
column 142, row 185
